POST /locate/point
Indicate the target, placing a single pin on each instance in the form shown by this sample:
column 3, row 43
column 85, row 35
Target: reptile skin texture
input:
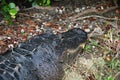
column 38, row 57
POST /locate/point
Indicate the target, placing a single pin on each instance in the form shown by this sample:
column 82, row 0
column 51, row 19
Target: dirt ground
column 100, row 59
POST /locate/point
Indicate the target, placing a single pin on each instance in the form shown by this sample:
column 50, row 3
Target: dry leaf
column 2, row 43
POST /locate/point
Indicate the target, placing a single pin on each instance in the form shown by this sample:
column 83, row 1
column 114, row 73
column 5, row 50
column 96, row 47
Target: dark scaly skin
column 38, row 58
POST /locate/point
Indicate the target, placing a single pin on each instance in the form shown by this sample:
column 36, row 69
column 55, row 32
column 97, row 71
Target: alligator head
column 72, row 42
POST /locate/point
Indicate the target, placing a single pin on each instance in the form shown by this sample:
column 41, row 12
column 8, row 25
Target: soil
column 100, row 20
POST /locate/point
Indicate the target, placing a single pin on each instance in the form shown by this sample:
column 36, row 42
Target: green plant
column 109, row 78
column 45, row 3
column 112, row 68
column 40, row 2
column 8, row 10
column 87, row 48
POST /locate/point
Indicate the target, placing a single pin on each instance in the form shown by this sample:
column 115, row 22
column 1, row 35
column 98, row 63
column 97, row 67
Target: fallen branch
column 95, row 16
column 93, row 10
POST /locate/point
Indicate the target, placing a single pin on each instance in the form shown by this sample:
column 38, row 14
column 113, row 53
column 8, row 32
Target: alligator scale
column 39, row 57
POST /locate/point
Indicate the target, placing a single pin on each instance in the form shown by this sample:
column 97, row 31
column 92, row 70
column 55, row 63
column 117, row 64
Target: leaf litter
column 100, row 59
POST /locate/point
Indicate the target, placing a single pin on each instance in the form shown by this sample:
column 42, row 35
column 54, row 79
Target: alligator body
column 38, row 58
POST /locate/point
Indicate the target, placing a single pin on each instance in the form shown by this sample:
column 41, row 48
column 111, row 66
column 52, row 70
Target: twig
column 27, row 15
column 95, row 16
column 93, row 10
column 39, row 7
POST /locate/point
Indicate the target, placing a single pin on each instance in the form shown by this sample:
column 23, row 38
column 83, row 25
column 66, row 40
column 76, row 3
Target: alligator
column 39, row 58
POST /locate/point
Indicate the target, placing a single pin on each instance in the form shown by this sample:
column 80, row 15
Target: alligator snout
column 73, row 38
